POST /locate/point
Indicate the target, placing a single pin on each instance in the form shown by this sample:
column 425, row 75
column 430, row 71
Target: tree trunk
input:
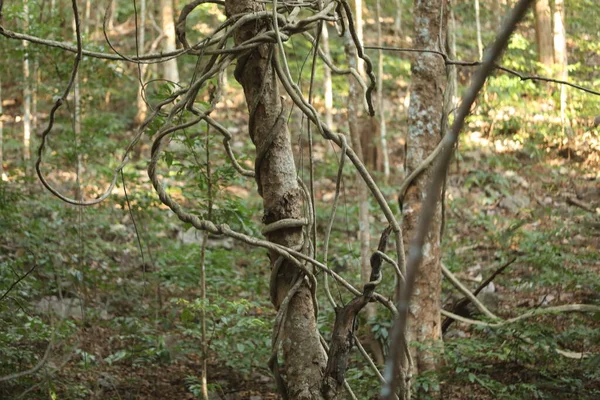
column 560, row 54
column 424, row 132
column 327, row 78
column 77, row 127
column 380, row 103
column 170, row 70
column 304, row 356
column 357, row 133
column 26, row 97
column 478, row 26
column 358, row 24
column 398, row 19
column 142, row 108
column 543, row 32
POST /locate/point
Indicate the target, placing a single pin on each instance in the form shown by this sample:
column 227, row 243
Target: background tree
column 428, row 83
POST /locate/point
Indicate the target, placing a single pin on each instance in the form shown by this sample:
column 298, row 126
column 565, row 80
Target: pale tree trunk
column 478, row 26
column 304, row 357
column 560, row 54
column 113, row 11
column 327, row 78
column 543, row 32
column 142, row 108
column 170, row 70
column 398, row 19
column 380, row 104
column 358, row 24
column 26, row 96
column 77, row 126
column 364, row 229
column 451, row 41
column 88, row 10
column 425, row 112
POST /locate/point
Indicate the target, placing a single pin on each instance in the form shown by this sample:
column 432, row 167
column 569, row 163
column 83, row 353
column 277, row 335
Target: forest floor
column 128, row 317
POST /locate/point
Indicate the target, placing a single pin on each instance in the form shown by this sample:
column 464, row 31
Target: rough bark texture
column 304, row 357
column 424, row 132
column 543, row 32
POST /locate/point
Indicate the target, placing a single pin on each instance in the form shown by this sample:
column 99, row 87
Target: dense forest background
column 123, row 300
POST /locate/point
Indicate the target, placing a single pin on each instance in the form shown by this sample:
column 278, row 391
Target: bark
column 304, row 357
column 424, row 132
column 170, row 70
column 543, row 32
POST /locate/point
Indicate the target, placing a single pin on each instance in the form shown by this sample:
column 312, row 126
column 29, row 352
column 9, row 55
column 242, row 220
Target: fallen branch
column 460, row 307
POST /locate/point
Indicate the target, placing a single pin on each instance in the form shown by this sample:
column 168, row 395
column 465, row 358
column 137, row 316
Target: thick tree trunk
column 424, row 132
column 543, row 32
column 304, row 356
column 170, row 70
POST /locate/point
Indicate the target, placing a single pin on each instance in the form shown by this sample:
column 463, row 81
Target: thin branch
column 521, row 76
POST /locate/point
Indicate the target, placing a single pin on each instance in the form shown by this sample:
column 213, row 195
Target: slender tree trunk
column 424, row 132
column 170, row 70
column 77, row 126
column 478, row 24
column 86, row 26
column 26, row 97
column 543, row 32
column 380, row 104
column 364, row 228
column 358, row 24
column 398, row 19
column 327, row 78
column 560, row 54
column 142, row 108
column 113, row 11
column 304, row 356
